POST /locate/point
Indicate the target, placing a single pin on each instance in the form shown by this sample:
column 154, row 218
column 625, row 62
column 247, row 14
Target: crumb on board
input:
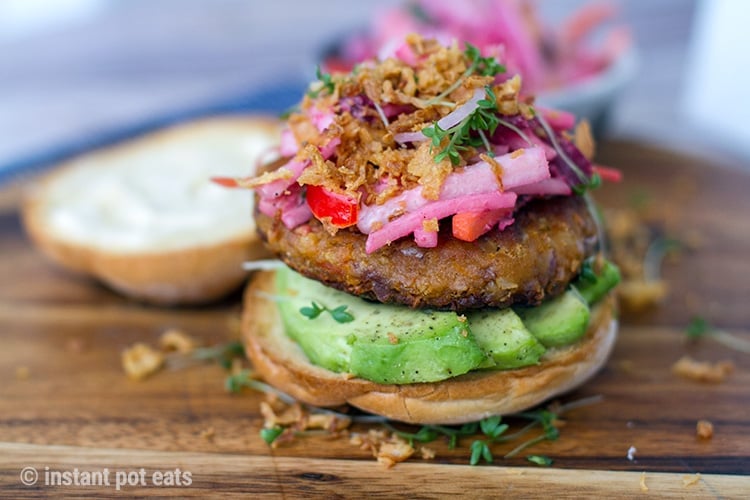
column 294, row 418
column 644, row 487
column 704, row 429
column 139, row 361
column 388, row 448
column 208, row 433
column 175, row 339
column 427, row 453
column 23, row 373
column 688, row 481
column 280, row 418
column 702, row 371
column 394, row 451
column 640, row 294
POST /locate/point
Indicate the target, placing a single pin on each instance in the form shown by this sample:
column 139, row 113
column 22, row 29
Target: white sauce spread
column 159, row 196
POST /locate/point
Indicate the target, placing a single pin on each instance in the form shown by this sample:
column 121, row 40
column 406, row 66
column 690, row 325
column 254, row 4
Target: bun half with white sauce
column 144, row 217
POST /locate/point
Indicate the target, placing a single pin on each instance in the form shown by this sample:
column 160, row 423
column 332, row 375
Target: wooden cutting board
column 65, row 402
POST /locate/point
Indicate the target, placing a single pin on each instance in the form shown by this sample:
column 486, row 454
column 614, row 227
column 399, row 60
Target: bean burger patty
column 534, row 258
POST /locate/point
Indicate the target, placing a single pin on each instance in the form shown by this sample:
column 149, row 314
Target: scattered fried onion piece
column 704, row 429
column 140, row 361
column 702, row 371
column 177, row 340
column 388, row 448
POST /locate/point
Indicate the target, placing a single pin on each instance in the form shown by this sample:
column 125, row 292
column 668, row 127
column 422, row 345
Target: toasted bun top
column 155, row 193
column 466, row 398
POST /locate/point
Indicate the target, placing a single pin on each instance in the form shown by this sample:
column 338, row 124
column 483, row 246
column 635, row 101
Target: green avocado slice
column 384, row 343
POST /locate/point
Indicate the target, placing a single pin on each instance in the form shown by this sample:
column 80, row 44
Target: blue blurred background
column 77, row 72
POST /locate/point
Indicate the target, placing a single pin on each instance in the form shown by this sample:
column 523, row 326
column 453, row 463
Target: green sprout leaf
column 480, row 449
column 325, row 83
column 312, row 312
column 341, row 315
column 234, row 383
column 698, row 327
column 540, row 460
column 469, row 132
column 222, row 354
column 492, row 427
column 485, row 66
column 269, row 435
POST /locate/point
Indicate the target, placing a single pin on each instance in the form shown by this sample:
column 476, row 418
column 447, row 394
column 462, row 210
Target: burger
column 440, row 258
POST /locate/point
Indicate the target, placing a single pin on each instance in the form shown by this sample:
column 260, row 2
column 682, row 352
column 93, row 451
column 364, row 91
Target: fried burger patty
column 531, row 259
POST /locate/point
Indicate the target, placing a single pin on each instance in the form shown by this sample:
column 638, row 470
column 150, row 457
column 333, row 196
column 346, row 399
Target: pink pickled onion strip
column 322, row 119
column 425, row 239
column 404, row 137
column 406, row 54
column 279, row 187
column 288, row 145
column 515, row 141
column 408, row 223
column 505, row 222
column 525, row 168
column 551, row 186
column 294, row 210
column 296, row 216
column 392, row 110
column 559, row 120
column 475, row 179
column 329, row 148
column 448, row 121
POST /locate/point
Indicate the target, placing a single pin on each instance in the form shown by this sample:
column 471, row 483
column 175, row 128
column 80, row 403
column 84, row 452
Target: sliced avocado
column 414, row 356
column 559, row 321
column 383, row 343
column 594, row 286
column 506, row 341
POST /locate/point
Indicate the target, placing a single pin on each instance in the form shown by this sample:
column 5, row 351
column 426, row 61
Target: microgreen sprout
column 542, row 460
column 339, row 314
column 461, row 136
column 699, row 327
column 269, row 435
column 325, row 83
column 222, row 354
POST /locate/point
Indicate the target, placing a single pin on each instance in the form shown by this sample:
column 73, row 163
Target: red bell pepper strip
column 340, row 210
column 229, row 182
column 608, row 174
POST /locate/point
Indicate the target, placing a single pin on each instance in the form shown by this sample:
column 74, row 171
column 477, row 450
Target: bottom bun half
column 473, row 396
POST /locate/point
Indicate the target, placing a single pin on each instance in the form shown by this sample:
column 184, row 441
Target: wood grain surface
column 65, row 402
